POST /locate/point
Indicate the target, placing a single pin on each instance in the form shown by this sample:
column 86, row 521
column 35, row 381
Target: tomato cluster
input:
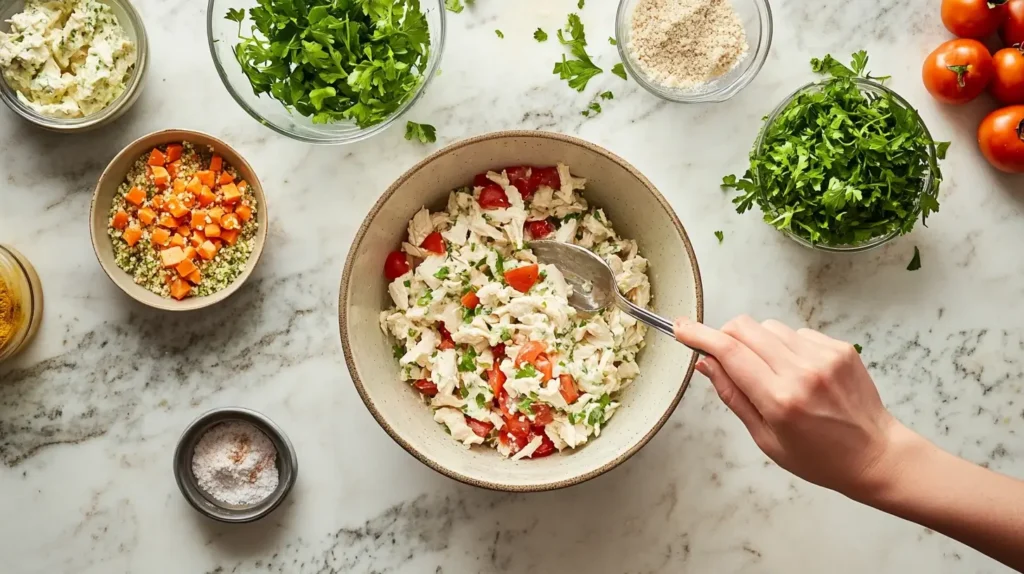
column 959, row 70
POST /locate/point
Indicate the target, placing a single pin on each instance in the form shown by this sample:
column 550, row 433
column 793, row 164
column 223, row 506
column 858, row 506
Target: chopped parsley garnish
column 481, row 401
column 506, row 335
column 335, row 61
column 526, row 371
column 579, row 70
column 612, row 41
column 442, row 273
column 619, row 71
column 425, row 133
column 915, row 261
column 464, row 392
column 407, row 283
column 524, row 404
column 499, row 33
column 412, row 333
column 858, row 348
column 398, row 351
column 840, row 166
column 607, row 96
column 580, row 4
column 720, row 235
column 425, row 299
column 540, row 35
column 453, row 6
column 499, row 263
column 467, row 363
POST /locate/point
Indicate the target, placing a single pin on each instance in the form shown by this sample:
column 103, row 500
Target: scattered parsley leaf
column 526, row 372
column 580, row 4
column 499, row 33
column 619, row 71
column 425, row 299
column 467, row 363
column 236, row 15
column 453, row 6
column 540, row 35
column 506, row 335
column 481, row 401
column 720, row 235
column 398, row 351
column 442, row 273
column 915, row 261
column 425, row 133
column 355, row 61
column 579, row 70
column 838, row 166
column 612, row 41
column 858, row 348
column 596, row 107
column 607, row 96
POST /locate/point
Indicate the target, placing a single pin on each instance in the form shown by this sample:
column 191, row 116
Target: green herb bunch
column 335, row 60
column 840, row 165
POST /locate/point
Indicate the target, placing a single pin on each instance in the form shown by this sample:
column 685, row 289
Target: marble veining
column 90, row 413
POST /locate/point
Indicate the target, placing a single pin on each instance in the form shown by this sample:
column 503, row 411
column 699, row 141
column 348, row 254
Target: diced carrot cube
column 178, row 186
column 207, row 250
column 195, row 277
column 157, row 157
column 231, row 193
column 183, row 230
column 173, row 152
column 157, row 201
column 186, row 267
column 132, row 235
column 194, row 185
column 244, row 212
column 206, row 197
column 177, row 241
column 160, row 236
column 166, row 220
column 147, row 216
column 225, row 178
column 160, row 176
column 172, row 256
column 135, row 196
column 206, row 177
column 212, row 230
column 191, row 253
column 120, row 219
column 216, row 163
column 180, row 289
column 230, row 236
column 176, row 208
column 229, row 221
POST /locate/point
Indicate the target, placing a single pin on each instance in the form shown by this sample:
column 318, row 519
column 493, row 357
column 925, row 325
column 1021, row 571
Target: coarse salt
column 686, row 43
column 235, row 463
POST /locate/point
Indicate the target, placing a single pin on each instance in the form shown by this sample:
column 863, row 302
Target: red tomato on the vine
column 395, row 265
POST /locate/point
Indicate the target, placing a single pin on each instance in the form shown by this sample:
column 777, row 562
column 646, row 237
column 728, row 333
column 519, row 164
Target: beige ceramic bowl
column 636, row 209
column 112, row 178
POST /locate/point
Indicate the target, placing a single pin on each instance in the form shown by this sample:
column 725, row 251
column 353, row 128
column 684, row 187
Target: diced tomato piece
column 542, row 414
column 539, row 229
column 546, row 447
column 396, row 265
column 496, row 378
column 469, row 300
column 504, row 403
column 498, row 351
column 543, row 364
column 518, row 426
column 434, row 243
column 481, row 428
column 517, row 172
column 426, row 387
column 529, row 352
column 516, row 442
column 523, row 278
column 545, row 176
column 493, row 197
column 518, row 177
column 567, row 386
column 446, row 338
column 480, row 180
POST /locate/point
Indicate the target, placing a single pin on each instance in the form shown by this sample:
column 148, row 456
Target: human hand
column 807, row 400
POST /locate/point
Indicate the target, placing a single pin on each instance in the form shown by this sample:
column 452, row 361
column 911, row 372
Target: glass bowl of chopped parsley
column 322, row 71
column 844, row 164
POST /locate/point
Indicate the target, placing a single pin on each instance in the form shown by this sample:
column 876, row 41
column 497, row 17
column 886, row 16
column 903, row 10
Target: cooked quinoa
column 143, row 259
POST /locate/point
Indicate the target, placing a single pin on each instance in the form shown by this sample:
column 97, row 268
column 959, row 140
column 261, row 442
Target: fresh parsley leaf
column 481, row 401
column 453, row 6
column 596, row 107
column 407, row 283
column 524, row 405
column 607, row 96
column 619, row 71
column 499, row 264
column 464, row 392
column 612, row 41
column 858, row 348
column 915, row 261
column 442, row 273
column 425, row 299
column 467, row 363
column 720, row 235
column 236, row 15
column 841, row 166
column 398, row 351
column 356, row 61
column 580, row 4
column 499, row 33
column 526, row 371
column 581, row 69
column 506, row 335
column 540, row 35
column 425, row 133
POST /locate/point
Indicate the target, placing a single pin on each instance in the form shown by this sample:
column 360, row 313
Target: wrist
column 902, row 452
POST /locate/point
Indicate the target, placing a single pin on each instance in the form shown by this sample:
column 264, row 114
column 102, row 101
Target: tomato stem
column 1020, row 130
column 960, row 72
column 993, row 4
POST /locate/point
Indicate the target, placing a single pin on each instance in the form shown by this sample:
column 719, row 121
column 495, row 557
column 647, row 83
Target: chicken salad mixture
column 486, row 334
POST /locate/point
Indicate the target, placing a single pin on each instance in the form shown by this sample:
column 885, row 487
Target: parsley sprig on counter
column 579, row 70
column 355, row 60
column 841, row 165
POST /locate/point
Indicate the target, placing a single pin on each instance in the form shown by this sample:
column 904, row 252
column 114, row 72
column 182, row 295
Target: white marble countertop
column 90, row 413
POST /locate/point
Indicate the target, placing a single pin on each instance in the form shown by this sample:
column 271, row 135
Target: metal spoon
column 593, row 283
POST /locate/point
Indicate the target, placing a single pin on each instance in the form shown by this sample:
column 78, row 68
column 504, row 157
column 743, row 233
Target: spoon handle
column 656, row 321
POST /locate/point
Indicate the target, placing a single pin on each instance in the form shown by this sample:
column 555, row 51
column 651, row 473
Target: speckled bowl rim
column 191, row 303
column 346, row 278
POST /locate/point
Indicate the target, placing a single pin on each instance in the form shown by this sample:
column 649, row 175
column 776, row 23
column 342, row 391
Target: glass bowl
column 756, row 17
column 21, row 279
column 131, row 21
column 872, row 90
column 222, row 35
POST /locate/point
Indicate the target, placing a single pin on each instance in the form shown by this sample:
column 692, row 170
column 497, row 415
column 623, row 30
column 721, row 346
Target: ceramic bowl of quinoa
column 462, row 344
column 178, row 220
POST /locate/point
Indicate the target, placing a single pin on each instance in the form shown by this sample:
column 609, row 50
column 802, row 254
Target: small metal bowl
column 287, row 466
column 131, row 21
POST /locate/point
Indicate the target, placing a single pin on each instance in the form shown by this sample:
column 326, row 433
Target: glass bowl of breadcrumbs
column 693, row 51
